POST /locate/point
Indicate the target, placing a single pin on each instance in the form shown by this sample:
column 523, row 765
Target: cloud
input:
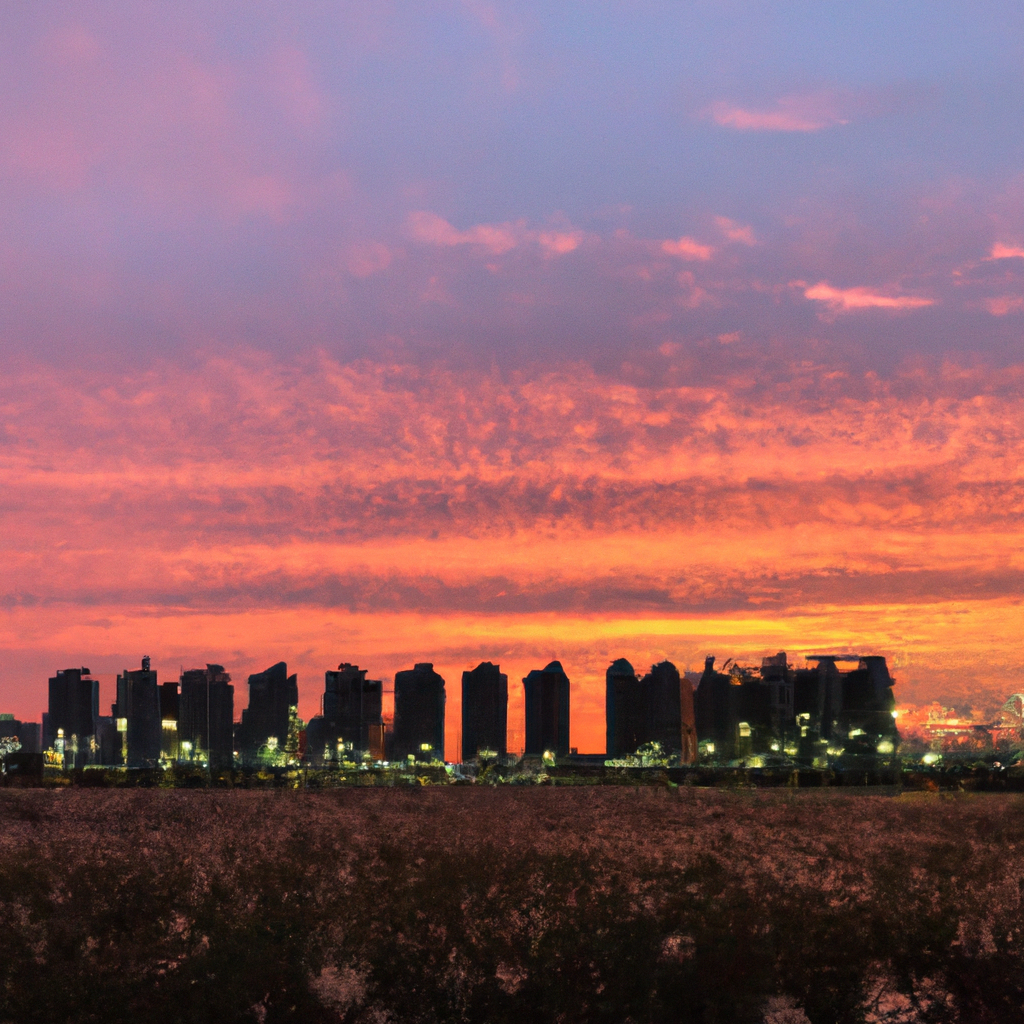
column 1001, row 251
column 797, row 113
column 736, row 232
column 413, row 508
column 364, row 259
column 687, row 248
column 846, row 299
column 1003, row 305
column 497, row 239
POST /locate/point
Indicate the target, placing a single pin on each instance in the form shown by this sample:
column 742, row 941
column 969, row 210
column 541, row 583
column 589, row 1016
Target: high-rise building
column 169, row 701
column 73, row 708
column 670, row 711
column 265, row 722
column 419, row 714
column 350, row 726
column 137, row 715
column 657, row 709
column 206, row 712
column 484, row 711
column 547, row 711
column 626, row 710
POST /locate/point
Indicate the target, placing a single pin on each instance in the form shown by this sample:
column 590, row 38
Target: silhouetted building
column 419, row 714
column 484, row 711
column 74, row 706
column 716, row 728
column 547, row 711
column 670, row 711
column 169, row 701
column 28, row 734
column 779, row 680
column 265, row 722
column 851, row 710
column 626, row 710
column 206, row 712
column 350, row 726
column 640, row 712
column 137, row 713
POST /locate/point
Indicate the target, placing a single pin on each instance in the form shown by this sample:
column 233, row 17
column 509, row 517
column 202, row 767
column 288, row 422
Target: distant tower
column 670, row 711
column 265, row 721
column 547, row 711
column 169, row 701
column 351, row 724
column 74, row 707
column 206, row 712
column 484, row 711
column 419, row 714
column 625, row 709
column 137, row 712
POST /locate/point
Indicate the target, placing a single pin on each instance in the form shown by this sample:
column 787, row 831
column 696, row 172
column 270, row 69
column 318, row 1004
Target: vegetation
column 478, row 904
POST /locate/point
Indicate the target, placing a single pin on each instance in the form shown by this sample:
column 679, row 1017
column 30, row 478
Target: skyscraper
column 484, row 711
column 419, row 714
column 137, row 712
column 73, row 708
column 264, row 728
column 626, row 710
column 351, row 725
column 547, row 711
column 206, row 712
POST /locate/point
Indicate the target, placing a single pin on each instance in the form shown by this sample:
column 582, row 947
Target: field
column 473, row 904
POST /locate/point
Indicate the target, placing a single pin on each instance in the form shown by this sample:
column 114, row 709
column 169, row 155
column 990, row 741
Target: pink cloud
column 1005, row 304
column 736, row 232
column 1000, row 251
column 495, row 238
column 366, row 258
column 687, row 248
column 807, row 113
column 845, row 299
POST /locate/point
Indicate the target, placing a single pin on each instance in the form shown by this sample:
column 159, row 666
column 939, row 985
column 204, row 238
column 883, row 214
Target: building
column 547, row 711
column 137, row 716
column 855, row 708
column 350, row 725
column 169, row 701
column 671, row 722
column 419, row 714
column 484, row 712
column 273, row 699
column 657, row 709
column 626, row 710
column 70, row 721
column 28, row 734
column 206, row 712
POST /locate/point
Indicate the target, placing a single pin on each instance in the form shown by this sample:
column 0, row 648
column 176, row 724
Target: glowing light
column 886, row 747
column 931, row 758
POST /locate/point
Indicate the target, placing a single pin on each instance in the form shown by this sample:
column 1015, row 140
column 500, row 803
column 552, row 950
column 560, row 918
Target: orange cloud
column 798, row 113
column 687, row 248
column 845, row 299
column 256, row 509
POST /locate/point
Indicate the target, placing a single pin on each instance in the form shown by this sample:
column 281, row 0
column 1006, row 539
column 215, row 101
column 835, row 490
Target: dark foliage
column 572, row 905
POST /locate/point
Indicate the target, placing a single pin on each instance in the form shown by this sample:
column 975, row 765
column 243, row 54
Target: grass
column 459, row 904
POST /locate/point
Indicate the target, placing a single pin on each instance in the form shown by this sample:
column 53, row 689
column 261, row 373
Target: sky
column 460, row 331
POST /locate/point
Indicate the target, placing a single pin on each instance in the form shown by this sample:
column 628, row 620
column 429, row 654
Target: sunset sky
column 459, row 331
